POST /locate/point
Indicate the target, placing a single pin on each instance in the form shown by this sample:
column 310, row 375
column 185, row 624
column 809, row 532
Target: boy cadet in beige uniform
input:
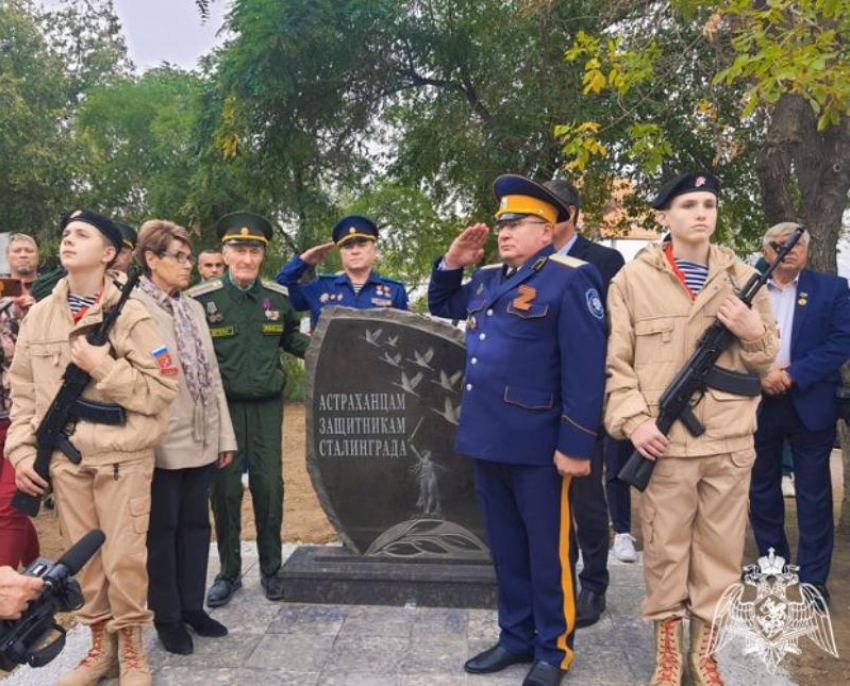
column 111, row 487
column 694, row 512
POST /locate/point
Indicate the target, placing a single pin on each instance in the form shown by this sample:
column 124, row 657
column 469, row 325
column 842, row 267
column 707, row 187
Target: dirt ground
column 305, row 522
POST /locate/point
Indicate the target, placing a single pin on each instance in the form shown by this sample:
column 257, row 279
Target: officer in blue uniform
column 531, row 409
column 359, row 285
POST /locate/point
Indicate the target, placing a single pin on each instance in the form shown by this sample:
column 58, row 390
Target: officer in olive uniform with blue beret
column 250, row 319
column 358, row 286
column 531, row 409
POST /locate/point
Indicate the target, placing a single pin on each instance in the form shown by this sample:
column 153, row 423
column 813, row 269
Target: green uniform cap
column 244, row 228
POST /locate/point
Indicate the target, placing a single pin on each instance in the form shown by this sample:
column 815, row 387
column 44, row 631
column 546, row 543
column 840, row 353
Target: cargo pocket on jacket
column 653, row 340
column 140, row 511
column 727, row 415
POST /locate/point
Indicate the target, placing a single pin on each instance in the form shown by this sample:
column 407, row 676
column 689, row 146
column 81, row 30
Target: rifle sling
column 733, row 382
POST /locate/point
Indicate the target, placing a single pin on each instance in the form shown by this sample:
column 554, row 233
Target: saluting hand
column 87, row 356
column 317, row 253
column 571, row 466
column 743, row 321
column 468, row 248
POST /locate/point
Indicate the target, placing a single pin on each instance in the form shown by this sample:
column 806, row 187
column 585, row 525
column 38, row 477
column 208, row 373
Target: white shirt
column 782, row 301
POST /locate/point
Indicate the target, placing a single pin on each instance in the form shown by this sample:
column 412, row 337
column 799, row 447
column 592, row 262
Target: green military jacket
column 248, row 328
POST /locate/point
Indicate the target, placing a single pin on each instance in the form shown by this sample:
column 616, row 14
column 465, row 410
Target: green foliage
column 135, row 135
column 34, row 168
column 692, row 85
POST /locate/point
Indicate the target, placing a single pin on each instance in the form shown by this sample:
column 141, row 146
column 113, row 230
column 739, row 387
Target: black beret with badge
column 103, row 224
column 692, row 182
column 129, row 238
column 244, row 228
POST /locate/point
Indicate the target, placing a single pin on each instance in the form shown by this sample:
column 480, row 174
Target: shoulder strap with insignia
column 205, row 287
column 567, row 261
column 274, row 286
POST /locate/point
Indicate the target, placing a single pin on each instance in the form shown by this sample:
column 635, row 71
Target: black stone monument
column 383, row 401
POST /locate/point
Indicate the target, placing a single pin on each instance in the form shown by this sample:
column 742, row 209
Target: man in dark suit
column 588, row 495
column 812, row 311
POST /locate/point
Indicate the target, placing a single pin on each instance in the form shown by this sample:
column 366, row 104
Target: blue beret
column 686, row 183
column 354, row 226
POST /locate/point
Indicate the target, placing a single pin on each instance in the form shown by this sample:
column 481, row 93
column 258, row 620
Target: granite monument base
column 319, row 574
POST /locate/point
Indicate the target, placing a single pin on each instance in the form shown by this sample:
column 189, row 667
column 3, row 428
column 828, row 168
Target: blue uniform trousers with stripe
column 527, row 518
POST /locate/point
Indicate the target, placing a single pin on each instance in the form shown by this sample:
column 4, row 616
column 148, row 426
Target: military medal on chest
column 213, row 315
column 271, row 315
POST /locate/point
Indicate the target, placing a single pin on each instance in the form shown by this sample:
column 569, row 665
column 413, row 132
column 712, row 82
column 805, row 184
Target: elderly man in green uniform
column 250, row 320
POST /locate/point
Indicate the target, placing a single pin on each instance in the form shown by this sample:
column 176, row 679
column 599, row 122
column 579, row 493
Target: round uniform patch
column 594, row 303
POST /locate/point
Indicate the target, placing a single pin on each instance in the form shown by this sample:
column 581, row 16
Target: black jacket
column 607, row 260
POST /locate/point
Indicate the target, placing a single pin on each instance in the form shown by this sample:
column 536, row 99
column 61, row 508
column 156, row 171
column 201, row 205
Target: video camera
column 25, row 640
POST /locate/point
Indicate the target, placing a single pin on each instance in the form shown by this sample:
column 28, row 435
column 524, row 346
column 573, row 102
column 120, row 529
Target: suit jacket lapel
column 579, row 248
column 805, row 292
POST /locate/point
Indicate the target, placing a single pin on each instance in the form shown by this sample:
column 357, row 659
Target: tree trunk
column 804, row 177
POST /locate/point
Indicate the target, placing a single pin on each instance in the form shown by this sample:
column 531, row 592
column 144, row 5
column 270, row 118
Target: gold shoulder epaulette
column 567, row 261
column 205, row 287
column 274, row 286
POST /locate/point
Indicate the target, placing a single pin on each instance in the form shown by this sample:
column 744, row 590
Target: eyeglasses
column 513, row 224
column 180, row 257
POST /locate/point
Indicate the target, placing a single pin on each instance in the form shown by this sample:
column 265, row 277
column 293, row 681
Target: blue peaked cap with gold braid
column 352, row 227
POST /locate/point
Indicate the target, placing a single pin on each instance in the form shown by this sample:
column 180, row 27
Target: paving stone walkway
column 274, row 644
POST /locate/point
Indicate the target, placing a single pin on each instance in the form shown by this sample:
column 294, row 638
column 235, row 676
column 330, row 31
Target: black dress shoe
column 273, row 586
column 544, row 674
column 175, row 639
column 589, row 607
column 222, row 591
column 494, row 659
column 204, row 625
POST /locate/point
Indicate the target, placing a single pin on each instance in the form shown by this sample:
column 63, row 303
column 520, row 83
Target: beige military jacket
column 130, row 376
column 655, row 327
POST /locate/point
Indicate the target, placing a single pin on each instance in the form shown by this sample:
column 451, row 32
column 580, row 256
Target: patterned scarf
column 190, row 347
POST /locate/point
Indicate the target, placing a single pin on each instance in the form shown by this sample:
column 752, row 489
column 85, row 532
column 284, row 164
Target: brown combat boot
column 704, row 671
column 669, row 653
column 131, row 658
column 101, row 661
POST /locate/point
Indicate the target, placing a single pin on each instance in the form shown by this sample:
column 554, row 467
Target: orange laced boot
column 101, row 661
column 669, row 653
